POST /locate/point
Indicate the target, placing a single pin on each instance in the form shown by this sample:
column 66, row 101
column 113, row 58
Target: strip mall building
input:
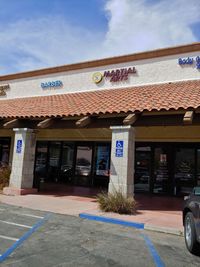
column 130, row 122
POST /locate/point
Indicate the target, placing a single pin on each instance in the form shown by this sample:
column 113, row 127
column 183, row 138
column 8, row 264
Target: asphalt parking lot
column 35, row 238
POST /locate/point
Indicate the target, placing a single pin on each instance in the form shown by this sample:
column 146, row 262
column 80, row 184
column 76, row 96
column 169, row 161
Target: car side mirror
column 196, row 191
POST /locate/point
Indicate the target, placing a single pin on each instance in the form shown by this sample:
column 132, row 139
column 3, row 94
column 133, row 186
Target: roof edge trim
column 194, row 47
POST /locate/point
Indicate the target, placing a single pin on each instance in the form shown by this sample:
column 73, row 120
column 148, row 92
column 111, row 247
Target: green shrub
column 4, row 176
column 116, row 202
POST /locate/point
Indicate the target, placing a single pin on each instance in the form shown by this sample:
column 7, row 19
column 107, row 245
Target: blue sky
column 43, row 33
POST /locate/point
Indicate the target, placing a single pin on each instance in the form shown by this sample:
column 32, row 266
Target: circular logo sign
column 97, row 77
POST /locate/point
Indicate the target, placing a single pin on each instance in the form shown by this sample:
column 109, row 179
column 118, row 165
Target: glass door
column 142, row 169
column 184, row 175
column 67, row 163
column 83, row 165
column 161, row 178
column 54, row 162
column 102, row 165
column 40, row 172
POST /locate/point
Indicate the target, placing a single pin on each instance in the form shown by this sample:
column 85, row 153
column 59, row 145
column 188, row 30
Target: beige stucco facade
column 148, row 71
column 155, row 70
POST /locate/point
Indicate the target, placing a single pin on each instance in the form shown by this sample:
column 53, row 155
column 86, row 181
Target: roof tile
column 164, row 96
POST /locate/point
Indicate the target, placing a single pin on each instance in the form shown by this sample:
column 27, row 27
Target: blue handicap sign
column 19, row 146
column 119, row 148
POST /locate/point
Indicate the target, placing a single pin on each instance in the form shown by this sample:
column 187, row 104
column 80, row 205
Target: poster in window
column 102, row 161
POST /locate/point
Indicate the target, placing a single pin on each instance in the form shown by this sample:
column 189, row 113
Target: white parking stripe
column 16, row 224
column 9, row 238
column 30, row 215
column 2, row 209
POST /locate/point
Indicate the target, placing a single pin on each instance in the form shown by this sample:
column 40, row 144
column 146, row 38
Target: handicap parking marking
column 24, row 237
column 156, row 258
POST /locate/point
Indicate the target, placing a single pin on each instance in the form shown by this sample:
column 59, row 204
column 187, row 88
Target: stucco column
column 122, row 160
column 21, row 179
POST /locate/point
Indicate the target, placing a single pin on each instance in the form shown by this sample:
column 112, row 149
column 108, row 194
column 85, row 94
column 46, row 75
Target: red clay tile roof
column 168, row 96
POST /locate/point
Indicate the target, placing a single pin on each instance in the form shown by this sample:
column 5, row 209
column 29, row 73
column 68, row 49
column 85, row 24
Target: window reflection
column 83, row 160
column 41, row 159
column 184, row 170
column 142, row 169
column 161, row 170
column 102, row 160
column 66, row 170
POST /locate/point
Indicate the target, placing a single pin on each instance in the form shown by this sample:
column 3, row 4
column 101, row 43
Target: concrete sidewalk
column 157, row 213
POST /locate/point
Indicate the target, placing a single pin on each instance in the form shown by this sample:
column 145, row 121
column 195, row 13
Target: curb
column 111, row 220
column 136, row 225
column 165, row 230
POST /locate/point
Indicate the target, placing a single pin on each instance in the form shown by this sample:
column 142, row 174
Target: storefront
column 74, row 163
column 130, row 123
column 167, row 168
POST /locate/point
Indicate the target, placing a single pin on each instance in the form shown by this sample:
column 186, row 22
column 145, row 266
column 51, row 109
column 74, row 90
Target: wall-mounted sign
column 114, row 75
column 19, row 146
column 119, row 148
column 3, row 89
column 190, row 61
column 52, row 84
column 97, row 77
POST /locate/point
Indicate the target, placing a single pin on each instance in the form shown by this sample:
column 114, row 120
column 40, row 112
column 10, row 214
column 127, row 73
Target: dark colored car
column 191, row 221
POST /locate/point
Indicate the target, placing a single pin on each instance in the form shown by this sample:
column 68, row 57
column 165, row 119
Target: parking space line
column 2, row 209
column 16, row 224
column 157, row 260
column 31, row 215
column 111, row 220
column 9, row 238
column 24, row 237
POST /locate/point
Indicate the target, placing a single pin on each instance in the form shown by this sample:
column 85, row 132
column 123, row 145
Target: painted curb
column 111, row 220
column 136, row 225
column 164, row 230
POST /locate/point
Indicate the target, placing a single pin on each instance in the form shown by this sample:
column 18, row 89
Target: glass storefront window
column 198, row 166
column 142, row 169
column 71, row 162
column 41, row 162
column 54, row 160
column 66, row 173
column 102, row 160
column 161, row 170
column 184, row 176
column 83, row 164
column 5, row 154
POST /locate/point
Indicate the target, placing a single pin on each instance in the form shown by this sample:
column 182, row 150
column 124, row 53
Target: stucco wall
column 156, row 70
column 168, row 134
column 75, row 134
column 154, row 134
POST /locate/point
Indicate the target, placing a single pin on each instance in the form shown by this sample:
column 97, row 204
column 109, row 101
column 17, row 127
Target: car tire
column 190, row 234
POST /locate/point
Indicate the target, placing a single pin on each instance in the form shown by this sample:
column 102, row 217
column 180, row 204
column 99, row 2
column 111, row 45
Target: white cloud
column 30, row 44
column 133, row 25
column 139, row 25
